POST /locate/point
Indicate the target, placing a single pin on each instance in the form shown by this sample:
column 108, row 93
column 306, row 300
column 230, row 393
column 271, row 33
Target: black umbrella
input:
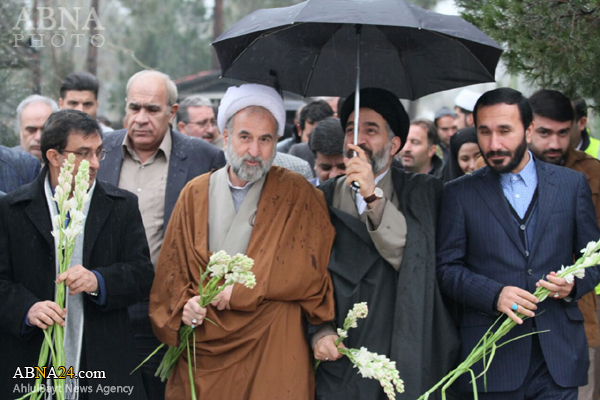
column 312, row 49
column 335, row 47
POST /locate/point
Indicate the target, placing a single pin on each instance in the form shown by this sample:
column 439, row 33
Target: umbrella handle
column 356, row 185
column 357, row 90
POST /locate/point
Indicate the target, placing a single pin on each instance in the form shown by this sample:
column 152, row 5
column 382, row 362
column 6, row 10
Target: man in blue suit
column 155, row 162
column 16, row 168
column 502, row 231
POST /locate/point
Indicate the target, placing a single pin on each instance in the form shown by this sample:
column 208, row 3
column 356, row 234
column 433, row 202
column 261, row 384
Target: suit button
column 529, row 272
column 522, row 227
column 526, row 253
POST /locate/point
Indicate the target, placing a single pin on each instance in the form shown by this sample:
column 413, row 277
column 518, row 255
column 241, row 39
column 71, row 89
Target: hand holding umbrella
column 359, row 170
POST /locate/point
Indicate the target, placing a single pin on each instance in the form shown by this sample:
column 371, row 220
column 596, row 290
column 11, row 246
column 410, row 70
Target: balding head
column 151, row 106
column 155, row 78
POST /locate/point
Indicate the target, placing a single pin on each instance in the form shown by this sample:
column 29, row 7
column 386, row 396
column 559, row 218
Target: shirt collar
column 528, row 174
column 380, row 177
column 165, row 146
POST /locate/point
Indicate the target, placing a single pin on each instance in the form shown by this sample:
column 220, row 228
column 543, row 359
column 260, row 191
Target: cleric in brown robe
column 258, row 347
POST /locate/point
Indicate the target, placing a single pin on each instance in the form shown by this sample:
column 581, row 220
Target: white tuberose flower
column 376, row 366
column 589, row 249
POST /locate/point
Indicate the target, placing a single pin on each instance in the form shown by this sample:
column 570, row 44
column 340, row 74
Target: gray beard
column 244, row 171
column 379, row 161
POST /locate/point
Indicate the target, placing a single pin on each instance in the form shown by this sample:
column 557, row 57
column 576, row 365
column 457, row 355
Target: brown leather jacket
column 588, row 304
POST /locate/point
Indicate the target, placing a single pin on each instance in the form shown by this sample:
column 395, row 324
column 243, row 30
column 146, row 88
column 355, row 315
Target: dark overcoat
column 114, row 245
column 408, row 321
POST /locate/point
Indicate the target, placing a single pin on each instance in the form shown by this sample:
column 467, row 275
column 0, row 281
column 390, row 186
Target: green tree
column 552, row 43
column 171, row 36
column 14, row 80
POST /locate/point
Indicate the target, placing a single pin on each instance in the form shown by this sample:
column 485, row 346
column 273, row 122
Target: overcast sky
column 446, row 7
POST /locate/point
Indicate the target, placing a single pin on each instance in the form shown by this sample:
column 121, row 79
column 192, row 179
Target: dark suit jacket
column 190, row 157
column 114, row 245
column 480, row 251
column 16, row 168
column 303, row 151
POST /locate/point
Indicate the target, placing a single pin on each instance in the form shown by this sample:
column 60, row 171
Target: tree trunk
column 217, row 30
column 35, row 54
column 92, row 56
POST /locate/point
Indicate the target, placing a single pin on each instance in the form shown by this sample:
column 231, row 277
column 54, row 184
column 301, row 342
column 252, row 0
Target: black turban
column 383, row 102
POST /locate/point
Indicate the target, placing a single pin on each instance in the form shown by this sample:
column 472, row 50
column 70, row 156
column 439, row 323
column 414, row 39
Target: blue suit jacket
column 16, row 168
column 190, row 157
column 480, row 251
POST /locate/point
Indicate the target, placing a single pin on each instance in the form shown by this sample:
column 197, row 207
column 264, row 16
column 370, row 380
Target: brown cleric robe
column 258, row 350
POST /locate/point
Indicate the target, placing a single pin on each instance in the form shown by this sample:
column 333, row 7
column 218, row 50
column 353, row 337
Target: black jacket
column 115, row 245
column 408, row 321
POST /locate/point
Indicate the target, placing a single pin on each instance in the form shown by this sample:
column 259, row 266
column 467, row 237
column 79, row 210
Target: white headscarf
column 252, row 94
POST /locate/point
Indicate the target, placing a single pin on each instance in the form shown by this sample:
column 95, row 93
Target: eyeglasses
column 87, row 155
column 204, row 123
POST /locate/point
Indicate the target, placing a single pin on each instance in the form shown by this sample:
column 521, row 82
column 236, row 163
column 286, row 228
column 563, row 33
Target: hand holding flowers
column 370, row 365
column 69, row 223
column 224, row 271
column 559, row 285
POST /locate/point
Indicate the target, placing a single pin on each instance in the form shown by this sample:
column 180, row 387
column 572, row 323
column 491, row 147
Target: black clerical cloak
column 407, row 320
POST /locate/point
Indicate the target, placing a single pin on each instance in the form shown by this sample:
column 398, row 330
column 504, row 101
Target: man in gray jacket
column 155, row 162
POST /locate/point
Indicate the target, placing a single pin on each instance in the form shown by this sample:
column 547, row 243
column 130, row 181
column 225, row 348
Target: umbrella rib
column 410, row 91
column 260, row 37
column 312, row 70
column 469, row 51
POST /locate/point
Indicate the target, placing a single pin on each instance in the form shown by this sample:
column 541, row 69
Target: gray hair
column 34, row 98
column 171, row 88
column 194, row 100
column 391, row 133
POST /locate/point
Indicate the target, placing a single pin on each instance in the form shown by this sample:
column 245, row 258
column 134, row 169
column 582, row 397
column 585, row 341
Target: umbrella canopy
column 311, row 49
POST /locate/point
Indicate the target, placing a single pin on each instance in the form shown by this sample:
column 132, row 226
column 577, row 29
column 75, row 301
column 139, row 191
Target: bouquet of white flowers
column 220, row 267
column 370, row 365
column 69, row 223
column 487, row 346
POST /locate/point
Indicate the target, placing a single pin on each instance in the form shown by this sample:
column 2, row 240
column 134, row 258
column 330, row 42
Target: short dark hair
column 580, row 107
column 552, row 104
column 505, row 96
column 61, row 124
column 327, row 138
column 314, row 112
column 429, row 126
column 80, row 81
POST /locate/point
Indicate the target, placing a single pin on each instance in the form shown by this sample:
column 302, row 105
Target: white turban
column 252, row 94
column 467, row 99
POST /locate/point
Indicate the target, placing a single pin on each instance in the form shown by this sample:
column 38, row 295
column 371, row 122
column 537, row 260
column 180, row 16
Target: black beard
column 560, row 161
column 514, row 161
